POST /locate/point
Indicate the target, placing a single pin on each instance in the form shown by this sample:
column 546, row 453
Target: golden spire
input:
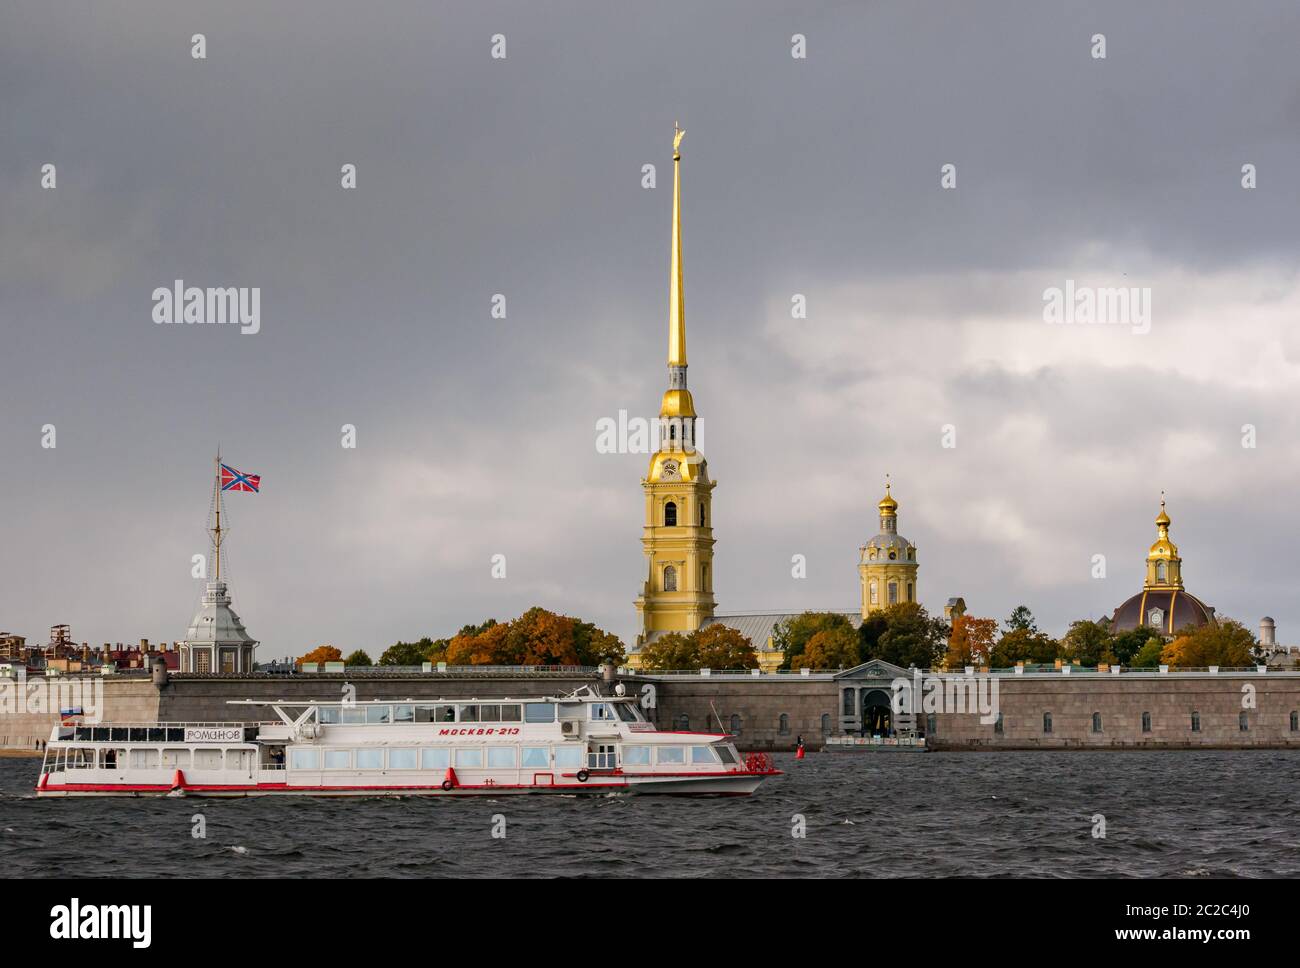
column 1162, row 521
column 676, row 300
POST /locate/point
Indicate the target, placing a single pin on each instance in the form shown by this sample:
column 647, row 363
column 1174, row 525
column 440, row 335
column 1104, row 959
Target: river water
column 1168, row 813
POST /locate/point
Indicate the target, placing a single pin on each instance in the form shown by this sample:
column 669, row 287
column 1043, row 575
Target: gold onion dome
column 887, row 503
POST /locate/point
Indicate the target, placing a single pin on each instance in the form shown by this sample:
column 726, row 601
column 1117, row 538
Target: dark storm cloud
column 523, row 177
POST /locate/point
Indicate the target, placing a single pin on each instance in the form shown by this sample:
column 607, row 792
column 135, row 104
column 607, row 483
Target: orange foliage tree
column 538, row 637
column 323, row 653
column 971, row 641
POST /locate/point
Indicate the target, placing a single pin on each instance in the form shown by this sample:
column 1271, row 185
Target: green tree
column 358, row 658
column 912, row 637
column 791, row 637
column 1021, row 619
column 1148, row 657
column 1129, row 643
column 413, row 653
column 1088, row 642
column 869, row 632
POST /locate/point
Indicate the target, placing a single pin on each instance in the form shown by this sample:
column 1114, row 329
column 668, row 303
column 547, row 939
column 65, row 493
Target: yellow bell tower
column 888, row 564
column 678, row 536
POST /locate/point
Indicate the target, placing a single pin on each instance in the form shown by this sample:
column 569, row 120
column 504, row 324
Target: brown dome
column 1176, row 610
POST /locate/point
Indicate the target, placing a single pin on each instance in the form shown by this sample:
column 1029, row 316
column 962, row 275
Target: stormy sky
column 522, row 176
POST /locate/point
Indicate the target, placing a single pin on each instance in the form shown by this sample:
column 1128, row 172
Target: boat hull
column 736, row 784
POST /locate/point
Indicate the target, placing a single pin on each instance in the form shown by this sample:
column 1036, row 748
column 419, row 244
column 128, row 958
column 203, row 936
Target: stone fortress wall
column 812, row 706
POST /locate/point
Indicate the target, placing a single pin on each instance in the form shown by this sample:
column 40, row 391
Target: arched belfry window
column 1160, row 571
column 701, row 515
column 670, row 515
column 670, row 578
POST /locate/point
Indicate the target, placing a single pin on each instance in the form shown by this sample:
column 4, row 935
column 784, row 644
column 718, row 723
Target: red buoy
column 178, row 781
column 450, row 782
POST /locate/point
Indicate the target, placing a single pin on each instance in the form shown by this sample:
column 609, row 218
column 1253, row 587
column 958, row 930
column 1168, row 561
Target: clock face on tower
column 670, row 469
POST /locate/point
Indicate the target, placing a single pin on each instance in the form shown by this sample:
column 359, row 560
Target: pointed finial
column 678, row 133
column 1163, row 519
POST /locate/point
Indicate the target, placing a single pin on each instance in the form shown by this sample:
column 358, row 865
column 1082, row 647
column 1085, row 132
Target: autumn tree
column 831, row 648
column 1227, row 643
column 971, row 641
column 323, row 653
column 791, row 636
column 712, row 647
column 1023, row 645
column 538, row 637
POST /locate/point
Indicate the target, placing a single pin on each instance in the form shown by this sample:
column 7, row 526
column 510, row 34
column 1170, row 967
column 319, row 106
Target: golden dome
column 887, row 504
column 1163, row 520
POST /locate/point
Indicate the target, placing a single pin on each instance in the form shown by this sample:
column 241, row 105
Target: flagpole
column 216, row 484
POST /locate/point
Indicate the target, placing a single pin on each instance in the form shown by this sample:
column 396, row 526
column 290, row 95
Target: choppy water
column 1188, row 814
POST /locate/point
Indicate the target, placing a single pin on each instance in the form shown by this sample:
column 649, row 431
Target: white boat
column 581, row 743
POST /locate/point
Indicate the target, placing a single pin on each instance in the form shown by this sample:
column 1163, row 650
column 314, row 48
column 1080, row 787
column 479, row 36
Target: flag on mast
column 233, row 480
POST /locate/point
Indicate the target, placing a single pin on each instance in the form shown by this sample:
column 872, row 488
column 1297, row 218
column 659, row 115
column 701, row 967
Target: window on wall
column 848, row 703
column 670, row 515
column 1196, row 722
column 684, row 722
column 1146, row 722
column 701, row 515
column 783, row 724
column 1243, row 721
column 670, row 578
column 826, row 724
column 704, row 578
column 1047, row 722
column 893, row 592
column 1160, row 571
column 931, row 724
column 997, row 725
column 909, row 591
column 1096, row 722
column 735, row 725
column 202, row 662
column 873, row 593
column 1295, row 721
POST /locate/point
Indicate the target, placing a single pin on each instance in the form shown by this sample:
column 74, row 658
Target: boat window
column 470, row 757
column 80, row 759
column 211, row 760
column 338, row 759
column 370, row 759
column 174, row 759
column 536, row 756
column 703, row 754
column 489, row 714
column 157, row 734
column 425, row 714
column 307, row 759
column 539, row 712
column 626, row 712
column 501, row 757
column 636, row 756
column 403, row 714
column 435, row 759
column 328, row 715
column 401, row 759
column 573, row 710
column 511, row 714
column 100, row 733
column 379, row 714
column 568, row 756
column 671, row 754
column 353, row 715
column 728, row 753
column 601, row 711
column 469, row 714
column 138, row 734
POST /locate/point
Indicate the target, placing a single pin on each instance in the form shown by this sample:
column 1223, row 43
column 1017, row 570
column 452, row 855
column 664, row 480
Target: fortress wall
column 1121, row 701
column 26, row 722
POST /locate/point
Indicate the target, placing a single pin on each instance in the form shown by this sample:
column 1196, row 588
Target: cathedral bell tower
column 888, row 564
column 677, row 595
column 1164, row 567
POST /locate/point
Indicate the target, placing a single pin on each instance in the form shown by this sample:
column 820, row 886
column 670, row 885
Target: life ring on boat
column 447, row 785
column 583, row 776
